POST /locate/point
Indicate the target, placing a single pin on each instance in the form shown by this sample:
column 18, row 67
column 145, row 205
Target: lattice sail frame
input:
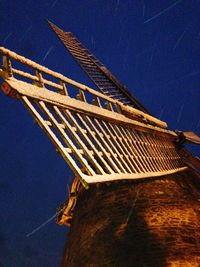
column 105, row 81
column 101, row 139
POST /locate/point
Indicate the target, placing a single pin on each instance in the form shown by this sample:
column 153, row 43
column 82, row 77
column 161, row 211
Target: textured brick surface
column 144, row 223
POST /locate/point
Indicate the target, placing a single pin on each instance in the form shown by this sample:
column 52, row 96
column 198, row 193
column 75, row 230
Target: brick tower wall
column 139, row 223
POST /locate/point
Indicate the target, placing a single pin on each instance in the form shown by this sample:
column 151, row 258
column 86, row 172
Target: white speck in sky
column 54, row 3
column 198, row 124
column 6, row 38
column 116, row 8
column 161, row 113
column 143, row 10
column 190, row 74
column 92, row 41
column 180, row 113
column 25, row 33
column 48, row 52
column 163, row 11
column 41, row 226
column 181, row 36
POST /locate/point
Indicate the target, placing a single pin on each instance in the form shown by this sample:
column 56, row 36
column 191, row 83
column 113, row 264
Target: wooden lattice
column 100, row 138
column 97, row 72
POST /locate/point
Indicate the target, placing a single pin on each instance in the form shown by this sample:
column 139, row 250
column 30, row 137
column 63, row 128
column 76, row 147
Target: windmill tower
column 134, row 200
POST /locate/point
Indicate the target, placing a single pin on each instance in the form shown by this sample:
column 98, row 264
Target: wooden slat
column 119, row 146
column 155, row 163
column 131, row 176
column 141, row 153
column 22, row 88
column 137, row 160
column 107, row 141
column 54, row 139
column 89, row 125
column 92, row 145
column 68, row 141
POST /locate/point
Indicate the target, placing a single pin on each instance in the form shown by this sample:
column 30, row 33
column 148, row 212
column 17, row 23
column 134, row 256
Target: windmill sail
column 99, row 143
column 97, row 72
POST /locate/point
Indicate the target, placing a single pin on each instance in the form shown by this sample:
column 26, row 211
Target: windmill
column 134, row 200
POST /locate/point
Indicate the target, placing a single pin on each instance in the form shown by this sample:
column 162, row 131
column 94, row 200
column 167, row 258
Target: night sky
column 152, row 46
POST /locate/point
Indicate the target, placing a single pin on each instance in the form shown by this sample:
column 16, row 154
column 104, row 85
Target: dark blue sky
column 153, row 47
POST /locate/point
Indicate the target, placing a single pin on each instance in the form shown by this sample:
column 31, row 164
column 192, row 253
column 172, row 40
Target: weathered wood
column 121, row 153
column 7, row 72
column 112, row 151
column 191, row 137
column 22, row 88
